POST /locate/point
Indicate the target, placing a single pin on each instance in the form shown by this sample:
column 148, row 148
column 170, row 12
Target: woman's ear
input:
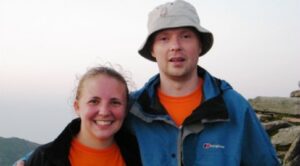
column 76, row 107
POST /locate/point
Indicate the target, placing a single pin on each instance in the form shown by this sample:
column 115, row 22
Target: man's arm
column 21, row 161
column 257, row 148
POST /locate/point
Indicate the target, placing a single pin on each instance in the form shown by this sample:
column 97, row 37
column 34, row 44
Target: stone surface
column 295, row 93
column 292, row 157
column 282, row 105
column 273, row 126
column 292, row 120
column 285, row 137
column 280, row 116
column 264, row 117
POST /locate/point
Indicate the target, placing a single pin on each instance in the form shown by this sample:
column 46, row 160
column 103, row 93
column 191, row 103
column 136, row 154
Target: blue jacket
column 222, row 131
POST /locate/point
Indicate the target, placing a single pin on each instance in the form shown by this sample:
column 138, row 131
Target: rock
column 282, row 105
column 280, row 117
column 292, row 120
column 285, row 137
column 295, row 93
column 264, row 117
column 292, row 157
column 271, row 127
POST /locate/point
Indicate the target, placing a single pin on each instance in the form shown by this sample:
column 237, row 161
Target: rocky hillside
column 12, row 149
column 281, row 118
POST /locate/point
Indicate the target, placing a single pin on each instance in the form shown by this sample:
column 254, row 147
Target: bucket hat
column 174, row 15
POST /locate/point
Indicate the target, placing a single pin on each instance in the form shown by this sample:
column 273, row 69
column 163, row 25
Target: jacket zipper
column 180, row 147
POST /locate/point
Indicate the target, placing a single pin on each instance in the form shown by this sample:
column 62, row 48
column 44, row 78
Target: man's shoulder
column 136, row 93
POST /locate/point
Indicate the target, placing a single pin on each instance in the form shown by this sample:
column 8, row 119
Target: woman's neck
column 94, row 142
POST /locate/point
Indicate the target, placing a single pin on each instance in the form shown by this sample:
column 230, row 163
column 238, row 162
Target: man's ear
column 153, row 55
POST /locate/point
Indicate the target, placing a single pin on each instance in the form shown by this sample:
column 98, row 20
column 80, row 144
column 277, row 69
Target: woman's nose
column 103, row 109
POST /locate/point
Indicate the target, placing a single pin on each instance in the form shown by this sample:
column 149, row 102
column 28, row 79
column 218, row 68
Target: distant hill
column 12, row 149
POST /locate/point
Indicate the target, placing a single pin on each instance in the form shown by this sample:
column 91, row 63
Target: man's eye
column 186, row 36
column 163, row 38
column 116, row 103
column 94, row 101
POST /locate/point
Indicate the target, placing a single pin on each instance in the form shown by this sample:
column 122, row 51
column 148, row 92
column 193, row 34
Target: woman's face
column 101, row 107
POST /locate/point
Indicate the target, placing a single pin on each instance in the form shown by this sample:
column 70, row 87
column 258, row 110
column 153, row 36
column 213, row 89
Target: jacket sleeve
column 256, row 146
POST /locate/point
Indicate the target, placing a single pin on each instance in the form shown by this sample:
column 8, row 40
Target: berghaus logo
column 214, row 146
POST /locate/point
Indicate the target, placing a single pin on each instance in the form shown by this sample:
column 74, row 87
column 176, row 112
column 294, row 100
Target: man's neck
column 178, row 86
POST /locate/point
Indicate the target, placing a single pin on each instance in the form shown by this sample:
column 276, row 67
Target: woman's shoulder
column 38, row 155
column 129, row 148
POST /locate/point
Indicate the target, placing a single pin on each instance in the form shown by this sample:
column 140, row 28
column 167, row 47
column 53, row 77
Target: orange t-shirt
column 179, row 108
column 82, row 155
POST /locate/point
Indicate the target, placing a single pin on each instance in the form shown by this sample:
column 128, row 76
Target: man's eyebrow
column 96, row 97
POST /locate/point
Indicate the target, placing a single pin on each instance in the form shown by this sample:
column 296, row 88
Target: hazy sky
column 46, row 44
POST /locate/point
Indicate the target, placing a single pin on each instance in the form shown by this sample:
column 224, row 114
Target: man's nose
column 175, row 44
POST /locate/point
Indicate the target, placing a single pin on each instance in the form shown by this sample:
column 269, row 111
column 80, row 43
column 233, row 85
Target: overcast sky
column 46, row 44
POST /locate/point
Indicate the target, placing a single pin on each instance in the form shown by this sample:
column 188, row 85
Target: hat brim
column 204, row 35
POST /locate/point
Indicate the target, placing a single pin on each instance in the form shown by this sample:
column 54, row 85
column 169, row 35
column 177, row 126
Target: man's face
column 176, row 51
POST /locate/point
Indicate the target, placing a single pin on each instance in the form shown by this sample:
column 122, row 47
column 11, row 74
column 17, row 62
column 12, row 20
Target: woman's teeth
column 104, row 122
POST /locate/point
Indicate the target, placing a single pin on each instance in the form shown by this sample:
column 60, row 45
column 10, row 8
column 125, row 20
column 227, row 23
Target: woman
column 97, row 136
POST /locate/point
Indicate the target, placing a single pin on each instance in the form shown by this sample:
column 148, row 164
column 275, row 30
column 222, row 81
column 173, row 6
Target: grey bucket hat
column 174, row 15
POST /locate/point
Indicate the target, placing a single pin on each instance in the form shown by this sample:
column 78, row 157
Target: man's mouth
column 177, row 59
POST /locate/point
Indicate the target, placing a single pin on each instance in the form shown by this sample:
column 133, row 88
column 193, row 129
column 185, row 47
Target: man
column 185, row 116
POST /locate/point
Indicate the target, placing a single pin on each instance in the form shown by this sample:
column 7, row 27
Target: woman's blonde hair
column 101, row 70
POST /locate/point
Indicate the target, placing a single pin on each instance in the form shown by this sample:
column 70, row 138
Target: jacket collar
column 212, row 109
column 59, row 149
